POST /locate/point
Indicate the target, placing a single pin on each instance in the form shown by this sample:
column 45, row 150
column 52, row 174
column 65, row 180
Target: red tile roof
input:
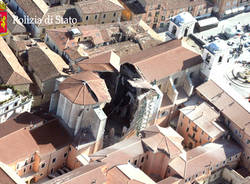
column 226, row 104
column 159, row 62
column 85, row 88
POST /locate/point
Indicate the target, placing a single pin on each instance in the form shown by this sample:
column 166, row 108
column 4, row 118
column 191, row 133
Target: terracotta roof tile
column 85, row 88
column 98, row 6
column 51, row 137
column 24, row 120
column 159, row 62
column 48, row 65
column 201, row 158
column 13, row 73
column 16, row 146
column 226, row 104
column 100, row 63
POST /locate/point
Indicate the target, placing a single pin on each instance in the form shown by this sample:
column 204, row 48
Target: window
column 191, row 75
column 202, row 132
column 104, row 16
column 16, row 104
column 224, row 162
column 220, row 59
column 95, row 16
column 236, row 132
column 135, row 162
column 142, row 159
column 161, row 25
column 32, row 159
column 30, row 167
column 24, row 170
column 149, row 14
column 181, row 124
column 209, row 138
column 114, row 14
column 157, row 13
column 41, row 174
column 193, row 135
column 87, row 17
column 187, row 129
column 43, row 165
column 164, row 113
column 175, row 81
column 65, row 155
column 162, row 18
column 7, row 108
column 248, row 141
column 52, row 170
column 208, row 58
column 54, row 160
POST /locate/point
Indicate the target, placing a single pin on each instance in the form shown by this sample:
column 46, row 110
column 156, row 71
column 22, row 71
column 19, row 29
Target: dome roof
column 85, row 88
column 184, row 18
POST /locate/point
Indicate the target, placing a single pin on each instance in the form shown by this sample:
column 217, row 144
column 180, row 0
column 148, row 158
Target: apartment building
column 13, row 102
column 227, row 8
column 99, row 11
column 34, row 149
column 156, row 157
column 235, row 116
column 197, row 124
column 199, row 163
column 158, row 13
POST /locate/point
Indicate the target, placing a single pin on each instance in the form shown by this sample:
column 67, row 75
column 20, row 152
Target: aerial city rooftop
column 124, row 92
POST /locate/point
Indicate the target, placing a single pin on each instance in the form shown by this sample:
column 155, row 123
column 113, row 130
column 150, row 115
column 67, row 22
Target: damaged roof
column 85, row 88
column 166, row 59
